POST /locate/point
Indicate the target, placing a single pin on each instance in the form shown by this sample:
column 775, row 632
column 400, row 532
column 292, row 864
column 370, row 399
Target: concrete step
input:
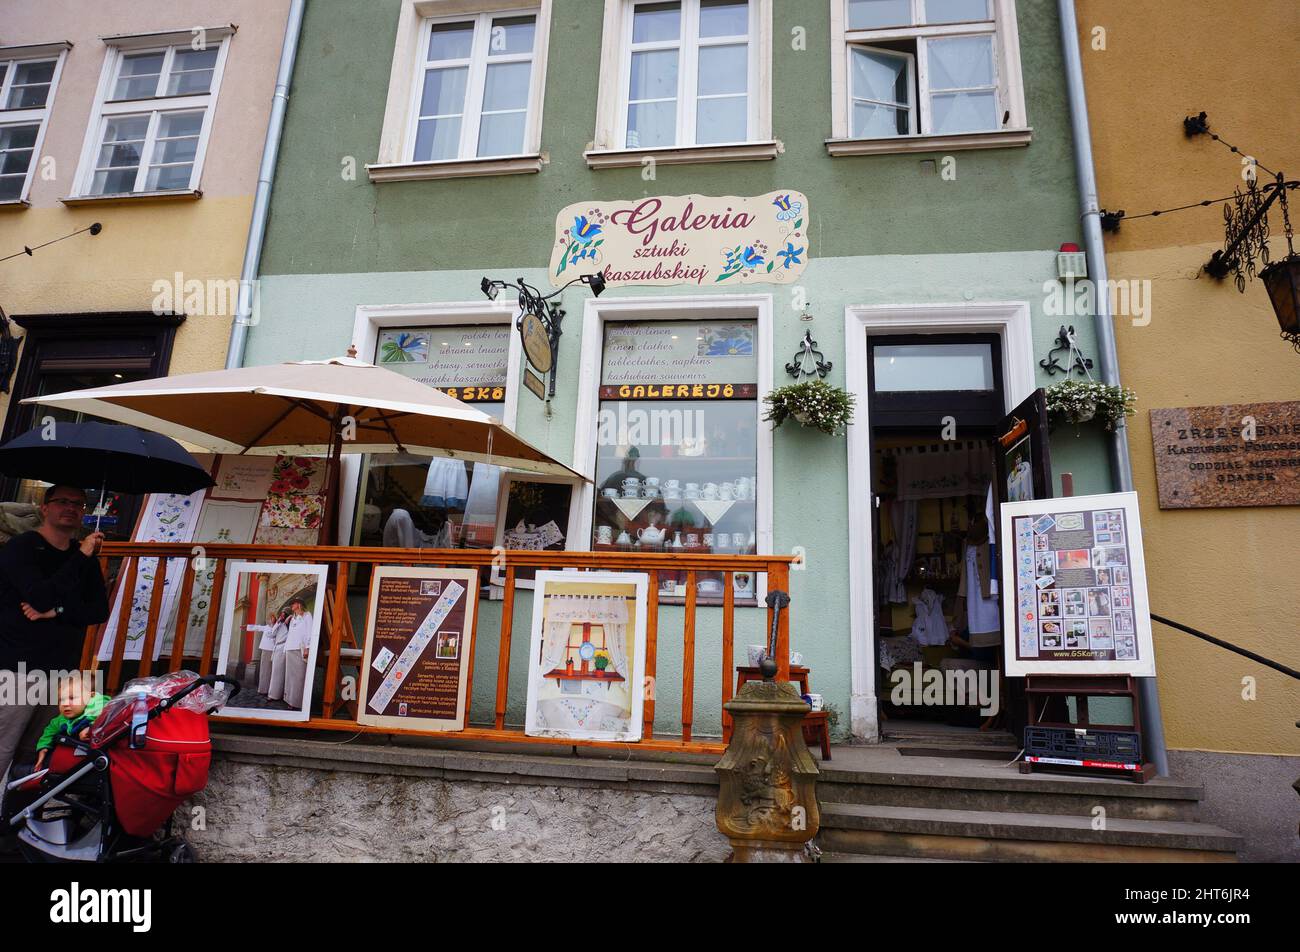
column 990, row 836
column 982, row 786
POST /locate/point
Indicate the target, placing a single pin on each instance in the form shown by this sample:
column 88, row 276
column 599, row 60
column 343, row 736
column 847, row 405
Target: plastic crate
column 1086, row 744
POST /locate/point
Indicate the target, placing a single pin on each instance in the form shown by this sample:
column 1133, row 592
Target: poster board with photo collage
column 1080, row 604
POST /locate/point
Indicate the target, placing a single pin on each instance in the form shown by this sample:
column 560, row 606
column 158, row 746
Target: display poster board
column 1080, row 603
column 270, row 637
column 419, row 633
column 586, row 664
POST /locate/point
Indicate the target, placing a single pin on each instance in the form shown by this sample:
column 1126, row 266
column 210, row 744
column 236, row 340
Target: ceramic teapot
column 651, row 535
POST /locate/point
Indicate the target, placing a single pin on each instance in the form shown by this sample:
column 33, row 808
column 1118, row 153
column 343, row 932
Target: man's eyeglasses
column 69, row 503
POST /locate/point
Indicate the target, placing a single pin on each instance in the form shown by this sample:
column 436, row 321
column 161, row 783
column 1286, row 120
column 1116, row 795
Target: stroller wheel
column 182, row 852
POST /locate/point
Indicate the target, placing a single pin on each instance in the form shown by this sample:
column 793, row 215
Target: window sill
column 901, row 145
column 14, row 205
column 455, row 168
column 127, row 198
column 688, row 155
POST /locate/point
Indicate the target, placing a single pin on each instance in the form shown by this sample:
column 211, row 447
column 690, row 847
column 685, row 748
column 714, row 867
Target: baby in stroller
column 78, row 708
column 110, row 794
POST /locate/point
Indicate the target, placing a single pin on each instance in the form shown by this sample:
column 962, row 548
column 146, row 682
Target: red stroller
column 111, row 797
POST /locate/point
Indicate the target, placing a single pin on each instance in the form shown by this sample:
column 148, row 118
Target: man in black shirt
column 51, row 589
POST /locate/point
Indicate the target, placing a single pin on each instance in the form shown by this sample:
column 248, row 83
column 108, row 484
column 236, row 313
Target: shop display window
column 677, row 445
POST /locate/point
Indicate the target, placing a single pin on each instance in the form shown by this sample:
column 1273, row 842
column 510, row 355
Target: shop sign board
column 684, row 239
column 1078, row 594
column 415, row 667
column 1245, row 454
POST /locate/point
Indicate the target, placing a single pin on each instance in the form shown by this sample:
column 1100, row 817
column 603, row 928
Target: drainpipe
column 262, row 198
column 1121, row 470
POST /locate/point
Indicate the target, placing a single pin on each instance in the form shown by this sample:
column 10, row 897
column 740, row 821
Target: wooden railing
column 339, row 714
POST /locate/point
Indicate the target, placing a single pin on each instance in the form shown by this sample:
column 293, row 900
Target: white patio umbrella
column 311, row 407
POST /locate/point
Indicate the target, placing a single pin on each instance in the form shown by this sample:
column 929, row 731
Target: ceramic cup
column 604, row 534
column 692, row 538
column 610, row 493
column 727, row 491
column 708, row 539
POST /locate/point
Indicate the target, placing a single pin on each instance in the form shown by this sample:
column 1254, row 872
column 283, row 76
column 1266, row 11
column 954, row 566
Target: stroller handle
column 211, row 680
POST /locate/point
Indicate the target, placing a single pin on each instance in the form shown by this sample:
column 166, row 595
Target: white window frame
column 107, row 108
column 913, row 107
column 396, row 161
column 371, row 319
column 12, row 58
column 687, row 45
column 1009, row 82
column 609, row 146
column 709, row 307
column 476, row 76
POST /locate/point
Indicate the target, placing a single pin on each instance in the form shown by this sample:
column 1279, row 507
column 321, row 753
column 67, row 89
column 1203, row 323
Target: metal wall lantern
column 1282, row 281
column 1246, row 236
column 540, row 321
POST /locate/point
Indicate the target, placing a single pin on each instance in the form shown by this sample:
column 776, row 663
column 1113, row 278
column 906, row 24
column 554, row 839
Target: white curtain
column 563, row 611
column 902, row 517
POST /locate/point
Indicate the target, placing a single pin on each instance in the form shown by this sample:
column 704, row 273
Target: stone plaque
column 1246, row 454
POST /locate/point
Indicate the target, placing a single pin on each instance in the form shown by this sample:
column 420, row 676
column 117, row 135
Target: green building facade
column 929, row 141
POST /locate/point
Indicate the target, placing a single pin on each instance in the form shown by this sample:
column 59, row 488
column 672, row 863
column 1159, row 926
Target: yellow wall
column 1229, row 572
column 116, row 269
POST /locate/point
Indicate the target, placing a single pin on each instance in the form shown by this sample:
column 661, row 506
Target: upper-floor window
column 929, row 67
column 149, row 131
column 688, row 73
column 26, row 94
column 475, row 87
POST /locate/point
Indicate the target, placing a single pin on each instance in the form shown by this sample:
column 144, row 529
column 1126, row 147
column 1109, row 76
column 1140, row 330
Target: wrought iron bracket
column 1065, row 342
column 806, row 357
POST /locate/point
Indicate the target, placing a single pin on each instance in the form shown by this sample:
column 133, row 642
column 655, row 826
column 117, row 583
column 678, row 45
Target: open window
column 926, row 68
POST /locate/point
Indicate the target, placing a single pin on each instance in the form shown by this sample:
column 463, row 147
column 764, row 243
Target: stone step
column 990, row 836
column 870, row 858
column 968, row 785
column 892, row 733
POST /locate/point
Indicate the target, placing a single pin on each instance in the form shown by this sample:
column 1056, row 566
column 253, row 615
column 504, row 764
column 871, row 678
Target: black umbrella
column 129, row 459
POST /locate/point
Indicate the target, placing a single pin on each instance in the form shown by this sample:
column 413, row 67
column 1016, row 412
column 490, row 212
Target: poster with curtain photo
column 1080, row 604
column 419, row 634
column 586, row 663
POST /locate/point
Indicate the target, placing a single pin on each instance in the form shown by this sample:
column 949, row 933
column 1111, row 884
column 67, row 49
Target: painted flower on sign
column 582, row 240
column 786, row 209
column 789, row 255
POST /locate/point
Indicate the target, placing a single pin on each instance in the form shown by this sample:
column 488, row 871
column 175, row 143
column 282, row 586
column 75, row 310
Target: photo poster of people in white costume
column 270, row 637
column 1080, row 604
column 586, row 664
column 419, row 641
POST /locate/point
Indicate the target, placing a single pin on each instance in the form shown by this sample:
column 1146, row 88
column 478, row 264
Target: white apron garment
column 930, row 627
column 265, row 660
column 295, row 676
column 982, row 614
column 275, row 690
column 446, row 486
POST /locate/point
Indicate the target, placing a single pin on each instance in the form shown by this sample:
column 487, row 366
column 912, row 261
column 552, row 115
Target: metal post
column 1090, row 217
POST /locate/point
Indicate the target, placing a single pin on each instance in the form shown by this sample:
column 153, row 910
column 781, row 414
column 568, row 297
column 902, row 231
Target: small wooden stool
column 816, row 724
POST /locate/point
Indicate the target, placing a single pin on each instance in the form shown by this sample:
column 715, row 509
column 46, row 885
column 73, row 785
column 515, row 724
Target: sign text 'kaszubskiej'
column 684, row 239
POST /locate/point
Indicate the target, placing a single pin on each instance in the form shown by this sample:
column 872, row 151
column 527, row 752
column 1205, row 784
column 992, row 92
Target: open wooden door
column 1024, row 471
